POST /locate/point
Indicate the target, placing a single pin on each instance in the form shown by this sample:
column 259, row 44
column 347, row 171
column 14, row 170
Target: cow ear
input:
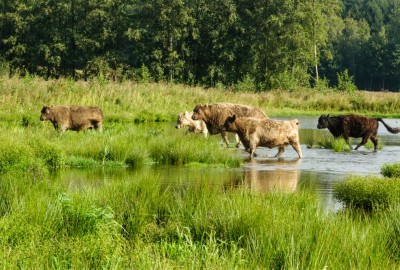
column 186, row 113
column 232, row 118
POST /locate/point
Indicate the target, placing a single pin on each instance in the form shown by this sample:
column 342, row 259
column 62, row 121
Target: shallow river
column 318, row 169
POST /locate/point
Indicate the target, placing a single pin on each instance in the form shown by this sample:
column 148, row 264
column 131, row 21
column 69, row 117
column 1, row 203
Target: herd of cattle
column 251, row 125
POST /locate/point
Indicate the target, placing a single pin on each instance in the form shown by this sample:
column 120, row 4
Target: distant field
column 126, row 101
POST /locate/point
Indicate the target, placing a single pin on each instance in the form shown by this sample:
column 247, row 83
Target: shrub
column 340, row 145
column 49, row 152
column 346, row 82
column 247, row 84
column 367, row 192
column 391, row 170
column 322, row 85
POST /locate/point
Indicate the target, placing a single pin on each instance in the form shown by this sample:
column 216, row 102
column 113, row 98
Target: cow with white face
column 214, row 116
column 195, row 126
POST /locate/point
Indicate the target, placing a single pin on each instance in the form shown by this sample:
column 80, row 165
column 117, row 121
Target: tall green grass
column 162, row 102
column 143, row 224
column 41, row 149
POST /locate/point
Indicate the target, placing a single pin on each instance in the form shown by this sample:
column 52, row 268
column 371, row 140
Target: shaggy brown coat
column 356, row 126
column 254, row 132
column 195, row 126
column 64, row 117
column 214, row 115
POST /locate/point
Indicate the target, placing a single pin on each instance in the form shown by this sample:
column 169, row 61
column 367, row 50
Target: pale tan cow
column 254, row 132
column 69, row 117
column 195, row 126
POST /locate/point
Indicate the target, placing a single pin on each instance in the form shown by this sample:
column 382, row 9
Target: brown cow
column 356, row 126
column 64, row 117
column 254, row 132
column 214, row 115
column 195, row 126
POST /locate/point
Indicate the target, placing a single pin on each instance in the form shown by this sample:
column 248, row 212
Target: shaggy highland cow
column 75, row 118
column 254, row 132
column 214, row 115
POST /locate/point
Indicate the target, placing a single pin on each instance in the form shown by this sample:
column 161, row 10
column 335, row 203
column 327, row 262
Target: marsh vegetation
column 144, row 223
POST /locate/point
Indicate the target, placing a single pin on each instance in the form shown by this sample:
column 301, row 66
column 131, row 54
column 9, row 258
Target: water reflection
column 256, row 175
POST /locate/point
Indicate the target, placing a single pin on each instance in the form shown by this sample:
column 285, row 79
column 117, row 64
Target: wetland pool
column 317, row 171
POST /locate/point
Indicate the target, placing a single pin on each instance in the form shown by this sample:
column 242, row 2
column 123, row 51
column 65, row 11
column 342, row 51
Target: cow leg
column 252, row 152
column 281, row 149
column 364, row 141
column 100, row 126
column 237, row 140
column 224, row 136
column 296, row 146
column 346, row 139
column 374, row 140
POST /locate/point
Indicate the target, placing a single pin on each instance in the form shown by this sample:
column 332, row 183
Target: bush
column 49, row 152
column 391, row 170
column 247, row 84
column 346, row 82
column 340, row 145
column 367, row 192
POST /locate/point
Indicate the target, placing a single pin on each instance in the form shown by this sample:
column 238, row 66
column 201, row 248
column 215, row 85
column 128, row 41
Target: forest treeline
column 259, row 43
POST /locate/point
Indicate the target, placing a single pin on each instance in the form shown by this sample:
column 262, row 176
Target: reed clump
column 391, row 170
column 367, row 192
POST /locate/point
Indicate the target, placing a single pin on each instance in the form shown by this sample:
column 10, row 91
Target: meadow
column 144, row 224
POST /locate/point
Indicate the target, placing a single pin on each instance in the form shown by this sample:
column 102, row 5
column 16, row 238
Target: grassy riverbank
column 141, row 223
column 126, row 104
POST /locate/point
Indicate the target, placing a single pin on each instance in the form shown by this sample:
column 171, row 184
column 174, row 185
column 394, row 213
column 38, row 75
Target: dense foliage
column 249, row 44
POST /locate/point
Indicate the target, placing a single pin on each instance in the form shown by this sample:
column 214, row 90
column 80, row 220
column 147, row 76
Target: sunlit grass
column 120, row 145
column 162, row 102
column 143, row 223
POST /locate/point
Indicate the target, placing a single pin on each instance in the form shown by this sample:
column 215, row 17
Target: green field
column 143, row 224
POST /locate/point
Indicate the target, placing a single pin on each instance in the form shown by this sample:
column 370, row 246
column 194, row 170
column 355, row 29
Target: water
column 318, row 170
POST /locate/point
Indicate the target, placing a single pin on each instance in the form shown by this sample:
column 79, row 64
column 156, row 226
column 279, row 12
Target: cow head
column 199, row 112
column 45, row 113
column 323, row 121
column 183, row 120
column 229, row 123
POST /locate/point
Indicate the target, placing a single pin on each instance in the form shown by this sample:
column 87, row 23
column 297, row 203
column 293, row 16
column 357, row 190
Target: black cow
column 356, row 126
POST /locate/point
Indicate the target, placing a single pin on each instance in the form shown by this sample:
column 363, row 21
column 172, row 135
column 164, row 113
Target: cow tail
column 389, row 128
